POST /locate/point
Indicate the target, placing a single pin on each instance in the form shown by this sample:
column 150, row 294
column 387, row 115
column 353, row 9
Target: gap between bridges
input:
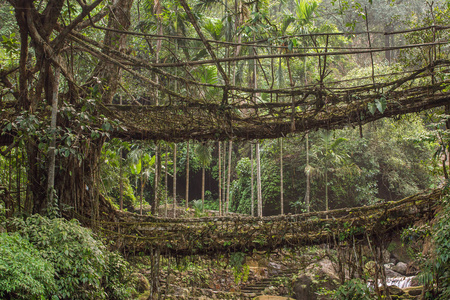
column 211, row 235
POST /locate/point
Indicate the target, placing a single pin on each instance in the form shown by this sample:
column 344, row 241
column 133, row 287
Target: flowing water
column 401, row 282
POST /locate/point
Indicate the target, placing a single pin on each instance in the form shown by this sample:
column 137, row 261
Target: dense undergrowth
column 58, row 259
column 436, row 269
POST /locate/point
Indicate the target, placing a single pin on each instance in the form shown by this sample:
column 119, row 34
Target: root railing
column 209, row 235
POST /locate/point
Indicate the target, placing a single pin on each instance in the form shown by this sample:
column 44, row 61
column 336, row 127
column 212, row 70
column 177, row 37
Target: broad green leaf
column 372, row 108
column 136, row 168
column 381, row 104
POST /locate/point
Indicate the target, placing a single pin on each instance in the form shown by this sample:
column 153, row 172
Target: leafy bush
column 84, row 269
column 436, row 272
column 24, row 274
column 354, row 289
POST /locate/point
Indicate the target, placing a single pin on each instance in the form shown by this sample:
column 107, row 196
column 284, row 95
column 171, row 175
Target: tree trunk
column 224, row 187
column 166, row 184
column 203, row 188
column 187, row 175
column 120, row 179
column 387, row 44
column 230, row 150
column 308, row 176
column 174, row 179
column 252, row 196
column 220, row 178
column 258, row 180
column 326, row 175
column 75, row 181
column 51, row 206
column 281, row 178
column 141, row 197
column 157, row 176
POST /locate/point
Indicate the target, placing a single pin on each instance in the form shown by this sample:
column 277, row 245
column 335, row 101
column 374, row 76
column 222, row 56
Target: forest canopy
column 83, row 82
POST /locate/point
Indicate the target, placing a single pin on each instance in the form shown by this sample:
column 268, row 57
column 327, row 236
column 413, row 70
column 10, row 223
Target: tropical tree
column 330, row 156
column 204, row 155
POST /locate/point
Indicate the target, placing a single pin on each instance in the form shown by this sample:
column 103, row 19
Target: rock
column 398, row 251
column 386, row 256
column 275, row 269
column 140, row 282
column 369, row 268
column 304, row 288
column 394, row 290
column 414, row 291
column 267, row 297
column 401, row 268
column 323, row 268
column 390, row 273
column 389, row 265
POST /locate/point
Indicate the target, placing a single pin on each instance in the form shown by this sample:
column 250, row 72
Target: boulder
column 369, row 268
column 140, row 282
column 323, row 268
column 275, row 269
column 391, row 273
column 304, row 288
column 401, row 268
column 267, row 297
column 394, row 290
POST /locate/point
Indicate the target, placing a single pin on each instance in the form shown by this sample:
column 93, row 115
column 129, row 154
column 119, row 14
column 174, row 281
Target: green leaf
column 106, row 126
column 372, row 108
column 136, row 168
column 381, row 104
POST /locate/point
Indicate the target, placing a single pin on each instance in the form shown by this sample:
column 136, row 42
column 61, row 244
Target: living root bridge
column 135, row 233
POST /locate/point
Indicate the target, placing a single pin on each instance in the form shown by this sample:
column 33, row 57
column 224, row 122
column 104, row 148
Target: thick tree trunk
column 75, row 180
column 51, row 206
column 106, row 73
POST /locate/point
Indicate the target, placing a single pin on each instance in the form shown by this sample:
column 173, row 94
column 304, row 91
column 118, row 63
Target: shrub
column 84, row 269
column 354, row 289
column 435, row 274
column 24, row 274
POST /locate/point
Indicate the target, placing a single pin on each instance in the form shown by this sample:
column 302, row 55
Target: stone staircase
column 257, row 288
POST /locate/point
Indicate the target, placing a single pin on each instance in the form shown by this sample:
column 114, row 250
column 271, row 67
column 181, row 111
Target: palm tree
column 304, row 11
column 330, row 157
column 141, row 166
column 204, row 156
